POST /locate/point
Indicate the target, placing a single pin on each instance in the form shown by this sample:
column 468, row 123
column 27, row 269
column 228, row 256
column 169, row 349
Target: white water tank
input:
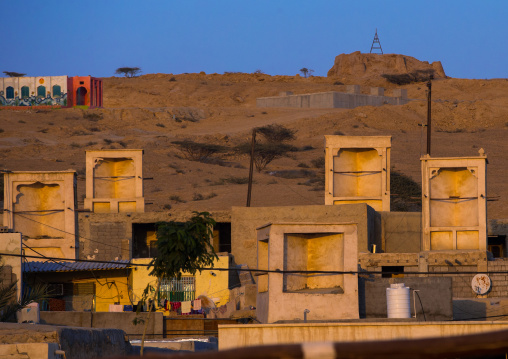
column 398, row 301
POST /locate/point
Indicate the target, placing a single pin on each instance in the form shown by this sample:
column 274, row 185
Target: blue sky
column 278, row 37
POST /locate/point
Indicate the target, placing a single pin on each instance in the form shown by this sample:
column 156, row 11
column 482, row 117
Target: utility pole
column 429, row 116
column 251, row 168
column 376, row 44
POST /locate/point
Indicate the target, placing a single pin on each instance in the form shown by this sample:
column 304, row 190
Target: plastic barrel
column 398, row 301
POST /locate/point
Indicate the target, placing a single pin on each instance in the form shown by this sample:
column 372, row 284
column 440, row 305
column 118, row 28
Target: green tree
column 128, row 71
column 182, row 247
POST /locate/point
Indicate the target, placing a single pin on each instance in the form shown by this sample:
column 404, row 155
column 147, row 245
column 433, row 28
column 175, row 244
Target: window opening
column 25, row 92
column 41, row 91
column 178, row 290
column 57, row 91
column 392, row 272
column 497, row 245
column 9, row 92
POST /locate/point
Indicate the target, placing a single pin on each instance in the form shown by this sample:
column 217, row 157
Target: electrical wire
column 61, row 230
column 263, row 271
column 308, row 199
column 421, row 304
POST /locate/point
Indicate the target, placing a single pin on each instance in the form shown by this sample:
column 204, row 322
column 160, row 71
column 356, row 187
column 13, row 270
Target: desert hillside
column 151, row 111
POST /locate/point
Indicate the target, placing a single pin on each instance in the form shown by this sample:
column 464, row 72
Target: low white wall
column 235, row 336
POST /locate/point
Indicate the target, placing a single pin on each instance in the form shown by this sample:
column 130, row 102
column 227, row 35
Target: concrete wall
column 119, row 320
column 10, row 243
column 330, row 99
column 303, row 247
column 245, row 220
column 108, row 236
column 41, row 206
column 479, row 308
column 401, row 232
column 114, row 181
column 358, row 170
column 435, row 295
column 454, row 203
column 34, row 83
column 236, row 336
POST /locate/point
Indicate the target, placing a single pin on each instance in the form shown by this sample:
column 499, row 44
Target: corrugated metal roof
column 50, row 266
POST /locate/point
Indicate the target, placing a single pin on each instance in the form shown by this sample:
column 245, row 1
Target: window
column 178, row 290
column 57, row 91
column 496, row 245
column 392, row 272
column 9, row 92
column 313, row 252
column 41, row 91
column 25, row 92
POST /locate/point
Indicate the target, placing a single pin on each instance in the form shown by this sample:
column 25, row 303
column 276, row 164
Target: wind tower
column 376, row 45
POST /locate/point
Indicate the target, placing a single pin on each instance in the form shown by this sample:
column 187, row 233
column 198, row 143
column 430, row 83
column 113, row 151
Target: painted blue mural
column 33, row 100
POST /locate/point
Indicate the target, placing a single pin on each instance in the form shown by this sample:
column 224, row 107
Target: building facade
column 59, row 91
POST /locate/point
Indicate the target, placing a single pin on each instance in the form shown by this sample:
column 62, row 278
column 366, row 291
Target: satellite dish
column 481, row 284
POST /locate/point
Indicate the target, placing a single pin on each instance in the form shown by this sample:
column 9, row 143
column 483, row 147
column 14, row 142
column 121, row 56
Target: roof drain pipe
column 414, row 300
column 305, row 315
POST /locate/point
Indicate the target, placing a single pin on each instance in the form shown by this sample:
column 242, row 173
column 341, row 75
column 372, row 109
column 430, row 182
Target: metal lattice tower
column 376, row 42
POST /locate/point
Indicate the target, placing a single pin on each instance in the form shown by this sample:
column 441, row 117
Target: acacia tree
column 306, row 72
column 128, row 71
column 264, row 153
column 274, row 145
column 182, row 247
column 14, row 74
column 196, row 151
column 276, row 133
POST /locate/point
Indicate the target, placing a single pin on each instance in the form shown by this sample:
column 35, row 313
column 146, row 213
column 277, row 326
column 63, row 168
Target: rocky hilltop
column 358, row 65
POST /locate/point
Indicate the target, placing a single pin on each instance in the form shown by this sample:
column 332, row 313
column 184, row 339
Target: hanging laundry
column 186, row 307
column 196, row 304
column 176, row 307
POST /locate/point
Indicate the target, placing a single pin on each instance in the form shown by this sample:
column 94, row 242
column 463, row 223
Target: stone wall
column 331, row 99
column 108, row 236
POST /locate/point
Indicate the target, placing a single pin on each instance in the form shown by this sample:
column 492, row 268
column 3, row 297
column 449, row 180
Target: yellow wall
column 108, row 291
column 213, row 286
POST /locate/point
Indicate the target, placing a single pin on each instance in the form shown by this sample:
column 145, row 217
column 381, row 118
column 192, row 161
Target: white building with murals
column 33, row 91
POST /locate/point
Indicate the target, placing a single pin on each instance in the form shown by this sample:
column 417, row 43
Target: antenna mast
column 376, row 45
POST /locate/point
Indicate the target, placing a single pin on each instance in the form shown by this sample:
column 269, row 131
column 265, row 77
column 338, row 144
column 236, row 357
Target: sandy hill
column 151, row 111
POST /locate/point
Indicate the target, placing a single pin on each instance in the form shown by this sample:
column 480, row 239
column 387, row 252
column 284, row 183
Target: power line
column 262, row 271
column 61, row 230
